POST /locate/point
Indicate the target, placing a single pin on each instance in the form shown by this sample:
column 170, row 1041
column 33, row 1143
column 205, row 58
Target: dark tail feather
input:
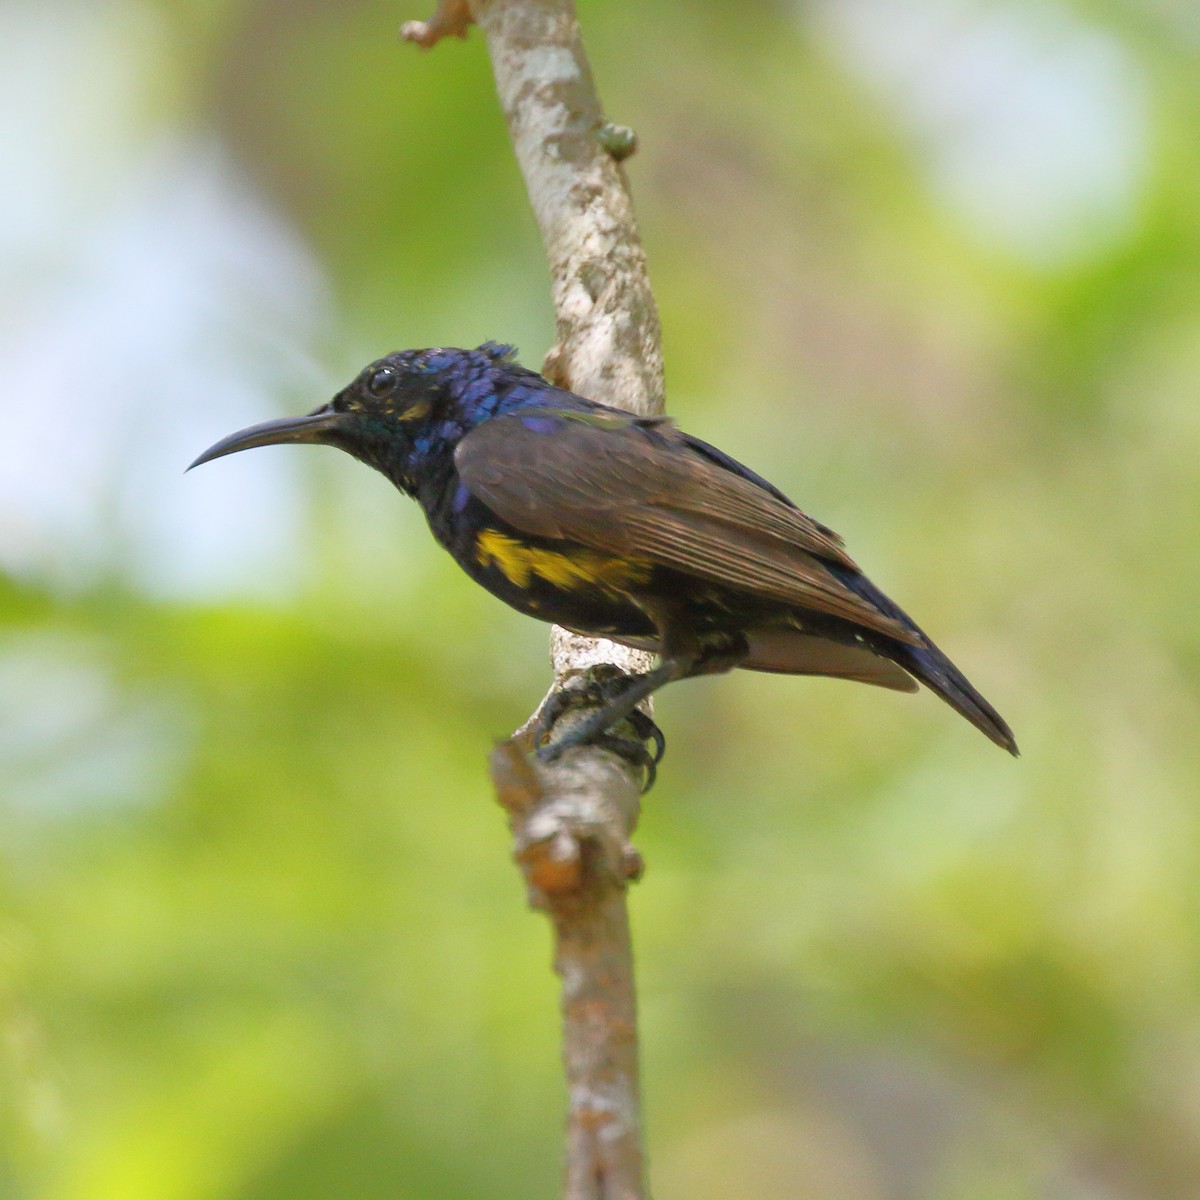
column 943, row 678
column 928, row 664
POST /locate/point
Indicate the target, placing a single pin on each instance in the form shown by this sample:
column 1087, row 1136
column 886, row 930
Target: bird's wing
column 642, row 490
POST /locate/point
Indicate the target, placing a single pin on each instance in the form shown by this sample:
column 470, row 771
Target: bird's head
column 398, row 413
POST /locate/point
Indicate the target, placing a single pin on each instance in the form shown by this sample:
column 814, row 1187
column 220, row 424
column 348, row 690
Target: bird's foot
column 630, row 749
column 603, row 689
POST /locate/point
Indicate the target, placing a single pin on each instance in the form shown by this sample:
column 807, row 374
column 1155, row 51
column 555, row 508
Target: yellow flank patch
column 583, row 568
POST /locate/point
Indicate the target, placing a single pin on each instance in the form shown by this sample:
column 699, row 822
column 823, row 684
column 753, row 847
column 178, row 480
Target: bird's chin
column 324, row 426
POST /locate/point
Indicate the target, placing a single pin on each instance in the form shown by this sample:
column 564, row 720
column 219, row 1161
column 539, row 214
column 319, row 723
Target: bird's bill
column 313, row 427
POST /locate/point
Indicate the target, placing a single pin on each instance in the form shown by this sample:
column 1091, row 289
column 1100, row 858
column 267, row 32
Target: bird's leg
column 719, row 653
column 618, row 696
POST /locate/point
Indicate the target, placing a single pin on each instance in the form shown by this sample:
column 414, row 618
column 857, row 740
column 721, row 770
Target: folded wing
column 643, row 490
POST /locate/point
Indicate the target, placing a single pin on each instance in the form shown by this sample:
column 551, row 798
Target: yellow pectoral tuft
column 415, row 411
column 570, row 571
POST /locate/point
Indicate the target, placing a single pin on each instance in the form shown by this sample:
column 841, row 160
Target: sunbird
column 620, row 526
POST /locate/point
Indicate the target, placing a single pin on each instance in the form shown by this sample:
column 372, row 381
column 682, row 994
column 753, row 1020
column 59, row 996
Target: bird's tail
column 944, row 679
column 928, row 664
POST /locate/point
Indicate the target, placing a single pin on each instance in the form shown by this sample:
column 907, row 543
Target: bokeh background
column 931, row 266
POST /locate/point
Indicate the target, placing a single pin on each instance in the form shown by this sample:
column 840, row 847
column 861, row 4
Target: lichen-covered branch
column 572, row 820
column 569, row 841
column 608, row 341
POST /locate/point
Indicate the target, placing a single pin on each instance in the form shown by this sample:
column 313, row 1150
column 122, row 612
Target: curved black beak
column 314, row 427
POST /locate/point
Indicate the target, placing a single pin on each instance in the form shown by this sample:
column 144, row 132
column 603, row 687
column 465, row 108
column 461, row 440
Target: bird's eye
column 381, row 382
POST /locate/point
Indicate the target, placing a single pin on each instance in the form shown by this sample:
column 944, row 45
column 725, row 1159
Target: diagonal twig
column 452, row 19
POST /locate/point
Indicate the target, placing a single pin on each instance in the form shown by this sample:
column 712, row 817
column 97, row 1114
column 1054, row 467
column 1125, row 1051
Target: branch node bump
column 619, row 140
column 554, row 367
column 553, row 866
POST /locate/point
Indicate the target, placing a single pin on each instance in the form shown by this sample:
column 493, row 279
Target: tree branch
column 568, row 833
column 572, row 819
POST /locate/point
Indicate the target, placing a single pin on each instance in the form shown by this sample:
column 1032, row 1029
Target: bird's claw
column 629, row 749
column 647, row 730
column 595, row 690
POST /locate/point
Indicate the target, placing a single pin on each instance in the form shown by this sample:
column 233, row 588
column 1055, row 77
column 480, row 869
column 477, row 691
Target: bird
column 620, row 526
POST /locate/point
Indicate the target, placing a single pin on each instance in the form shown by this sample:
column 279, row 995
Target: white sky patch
column 1033, row 125
column 149, row 304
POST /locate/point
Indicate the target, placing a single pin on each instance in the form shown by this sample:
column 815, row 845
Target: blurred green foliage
column 930, row 267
